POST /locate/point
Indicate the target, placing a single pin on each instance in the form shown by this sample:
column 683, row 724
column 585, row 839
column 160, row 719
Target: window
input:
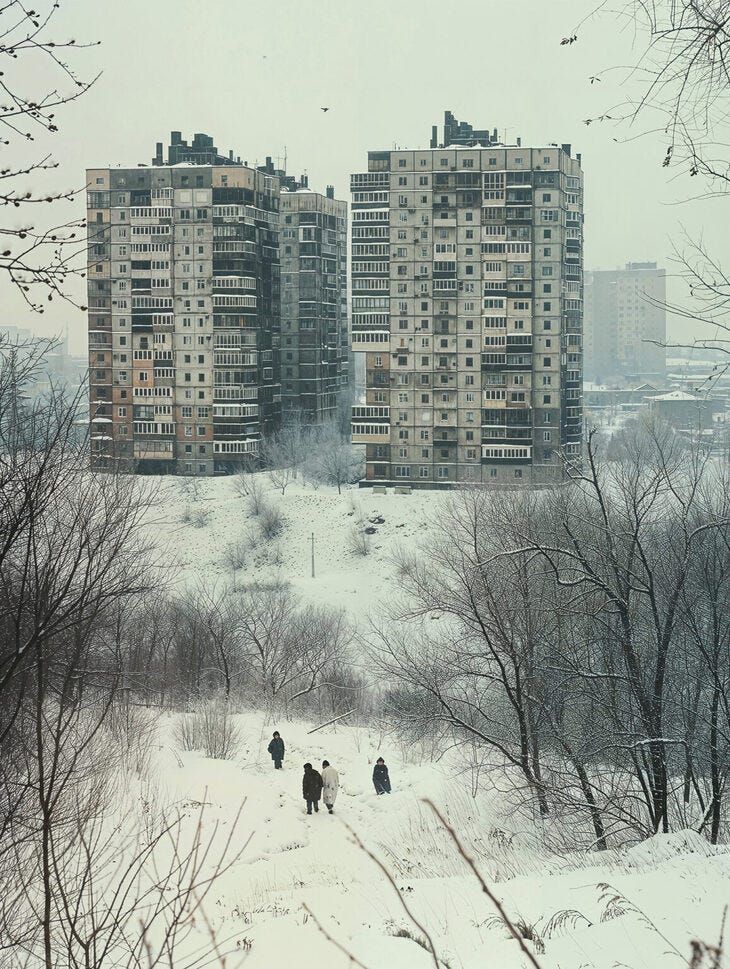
column 518, row 472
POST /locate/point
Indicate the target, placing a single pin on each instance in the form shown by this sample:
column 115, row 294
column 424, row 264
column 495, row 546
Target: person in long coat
column 311, row 787
column 330, row 785
column 276, row 749
column 381, row 779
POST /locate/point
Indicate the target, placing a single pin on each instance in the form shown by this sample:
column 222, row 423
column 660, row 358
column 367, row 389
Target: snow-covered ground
column 342, row 576
column 638, row 908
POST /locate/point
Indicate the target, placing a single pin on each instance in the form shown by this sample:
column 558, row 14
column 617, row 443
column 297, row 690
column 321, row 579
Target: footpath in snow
column 639, row 908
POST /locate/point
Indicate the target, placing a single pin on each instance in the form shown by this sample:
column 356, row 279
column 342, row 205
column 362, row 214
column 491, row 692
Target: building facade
column 467, row 297
column 314, row 319
column 625, row 323
column 184, row 315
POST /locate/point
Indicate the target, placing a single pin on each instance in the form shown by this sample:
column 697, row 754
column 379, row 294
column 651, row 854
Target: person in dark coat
column 311, row 787
column 276, row 749
column 381, row 780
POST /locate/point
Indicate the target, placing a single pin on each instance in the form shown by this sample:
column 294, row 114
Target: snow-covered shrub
column 209, row 727
column 271, row 522
column 359, row 542
column 132, row 730
column 200, row 517
column 235, row 554
column 256, row 495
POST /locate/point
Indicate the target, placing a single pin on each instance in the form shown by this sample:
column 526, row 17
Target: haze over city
column 256, row 76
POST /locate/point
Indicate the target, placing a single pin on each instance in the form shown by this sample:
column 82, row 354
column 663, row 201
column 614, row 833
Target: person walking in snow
column 330, row 785
column 311, row 787
column 276, row 749
column 381, row 779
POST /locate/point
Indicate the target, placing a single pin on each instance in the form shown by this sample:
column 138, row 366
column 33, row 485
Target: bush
column 235, row 554
column 201, row 517
column 209, row 727
column 132, row 731
column 256, row 495
column 359, row 542
column 271, row 522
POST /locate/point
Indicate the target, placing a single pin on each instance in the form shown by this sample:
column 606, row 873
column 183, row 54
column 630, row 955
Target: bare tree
column 679, row 85
column 579, row 637
column 39, row 256
column 332, row 459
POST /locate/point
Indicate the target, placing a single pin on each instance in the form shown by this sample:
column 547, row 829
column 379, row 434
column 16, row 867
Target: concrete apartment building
column 185, row 312
column 467, row 296
column 314, row 319
column 625, row 323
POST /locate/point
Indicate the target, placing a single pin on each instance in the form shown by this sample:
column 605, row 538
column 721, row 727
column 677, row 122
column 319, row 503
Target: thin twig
column 485, row 888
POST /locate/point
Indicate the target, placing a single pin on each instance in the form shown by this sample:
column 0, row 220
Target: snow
column 674, row 395
column 621, row 908
column 637, row 907
column 342, row 577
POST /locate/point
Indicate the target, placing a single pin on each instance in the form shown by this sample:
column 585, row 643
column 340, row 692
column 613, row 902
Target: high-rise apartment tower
column 467, row 296
column 185, row 313
column 626, row 323
column 314, row 321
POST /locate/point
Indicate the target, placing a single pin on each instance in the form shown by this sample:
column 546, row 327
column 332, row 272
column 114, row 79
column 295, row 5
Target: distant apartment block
column 185, row 312
column 625, row 323
column 467, row 297
column 314, row 318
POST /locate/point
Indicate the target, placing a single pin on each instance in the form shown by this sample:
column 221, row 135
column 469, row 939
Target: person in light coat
column 330, row 785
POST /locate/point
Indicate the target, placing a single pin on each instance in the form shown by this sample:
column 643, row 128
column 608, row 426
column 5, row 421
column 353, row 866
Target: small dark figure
column 330, row 785
column 276, row 749
column 381, row 780
column 311, row 787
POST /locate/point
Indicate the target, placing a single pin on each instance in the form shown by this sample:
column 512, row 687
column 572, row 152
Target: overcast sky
column 255, row 76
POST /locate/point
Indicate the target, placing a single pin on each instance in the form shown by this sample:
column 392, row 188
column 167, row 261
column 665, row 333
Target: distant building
column 685, row 411
column 58, row 370
column 184, row 317
column 315, row 335
column 625, row 323
column 467, row 287
column 185, row 309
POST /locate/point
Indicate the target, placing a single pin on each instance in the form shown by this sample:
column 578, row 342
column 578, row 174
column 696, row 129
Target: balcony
column 371, row 432
column 493, row 361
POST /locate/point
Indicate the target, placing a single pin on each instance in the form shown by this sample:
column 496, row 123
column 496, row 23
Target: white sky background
column 255, row 75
